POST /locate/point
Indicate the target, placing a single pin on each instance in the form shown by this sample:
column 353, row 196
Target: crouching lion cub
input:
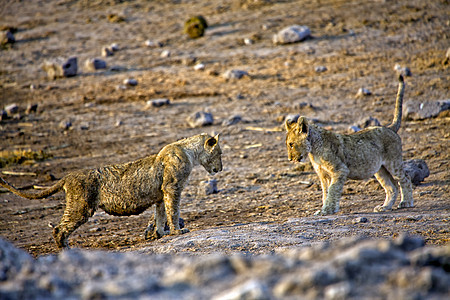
column 335, row 157
column 130, row 188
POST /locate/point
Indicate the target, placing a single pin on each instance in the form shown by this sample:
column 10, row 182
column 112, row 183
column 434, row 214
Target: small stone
column 3, row 115
column 368, row 122
column 114, row 47
column 84, row 126
column 153, row 44
column 232, row 120
column 360, row 220
column 417, row 170
column 405, row 71
column 12, row 109
column 165, row 53
column 208, row 187
column 320, row 69
column 248, row 41
column 130, row 82
column 118, row 123
column 65, row 125
column 234, row 74
column 292, row 34
column 121, row 87
column 31, row 108
column 199, row 67
column 158, row 102
column 362, row 92
column 107, row 51
column 6, row 37
column 189, row 60
column 61, row 68
column 93, row 64
column 200, row 119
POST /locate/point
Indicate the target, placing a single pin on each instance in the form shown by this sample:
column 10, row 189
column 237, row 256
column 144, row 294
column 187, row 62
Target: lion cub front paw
column 381, row 208
column 179, row 231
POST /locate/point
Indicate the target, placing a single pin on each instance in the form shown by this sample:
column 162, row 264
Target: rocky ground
column 264, row 203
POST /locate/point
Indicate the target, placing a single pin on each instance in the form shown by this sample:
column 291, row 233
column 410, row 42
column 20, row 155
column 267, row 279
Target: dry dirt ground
column 359, row 42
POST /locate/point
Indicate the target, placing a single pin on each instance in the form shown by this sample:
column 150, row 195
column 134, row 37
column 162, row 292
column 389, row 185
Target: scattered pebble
column 292, row 34
column 114, row 47
column 208, row 187
column 199, row 67
column 65, row 125
column 320, row 69
column 234, row 74
column 158, row 102
column 6, row 37
column 360, row 220
column 189, row 60
column 12, row 109
column 130, row 82
column 3, row 115
column 248, row 41
column 362, row 92
column 93, row 64
column 107, row 51
column 405, row 71
column 31, row 108
column 59, row 67
column 232, row 120
column 200, row 119
column 153, row 44
column 165, row 53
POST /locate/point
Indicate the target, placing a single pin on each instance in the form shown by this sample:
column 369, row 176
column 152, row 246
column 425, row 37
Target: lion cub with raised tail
column 335, row 157
column 130, row 188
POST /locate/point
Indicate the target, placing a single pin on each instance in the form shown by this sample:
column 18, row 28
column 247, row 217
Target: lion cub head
column 298, row 139
column 211, row 156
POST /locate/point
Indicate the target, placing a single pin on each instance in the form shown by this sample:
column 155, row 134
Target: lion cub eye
column 291, row 145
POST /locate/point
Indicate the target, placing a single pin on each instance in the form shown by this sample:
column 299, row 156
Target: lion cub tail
column 395, row 125
column 43, row 194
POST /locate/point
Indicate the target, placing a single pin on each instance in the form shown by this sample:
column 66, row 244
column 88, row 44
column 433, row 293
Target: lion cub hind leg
column 76, row 213
column 397, row 171
column 390, row 186
column 156, row 231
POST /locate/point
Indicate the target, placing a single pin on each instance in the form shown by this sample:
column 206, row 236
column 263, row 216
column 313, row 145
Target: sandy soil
column 359, row 42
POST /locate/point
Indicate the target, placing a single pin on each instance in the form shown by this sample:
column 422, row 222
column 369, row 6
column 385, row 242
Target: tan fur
column 335, row 157
column 131, row 188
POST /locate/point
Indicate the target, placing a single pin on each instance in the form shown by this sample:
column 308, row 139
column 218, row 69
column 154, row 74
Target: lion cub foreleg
column 334, row 191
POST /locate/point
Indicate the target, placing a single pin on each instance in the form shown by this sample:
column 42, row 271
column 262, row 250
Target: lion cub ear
column 289, row 124
column 211, row 142
column 302, row 125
